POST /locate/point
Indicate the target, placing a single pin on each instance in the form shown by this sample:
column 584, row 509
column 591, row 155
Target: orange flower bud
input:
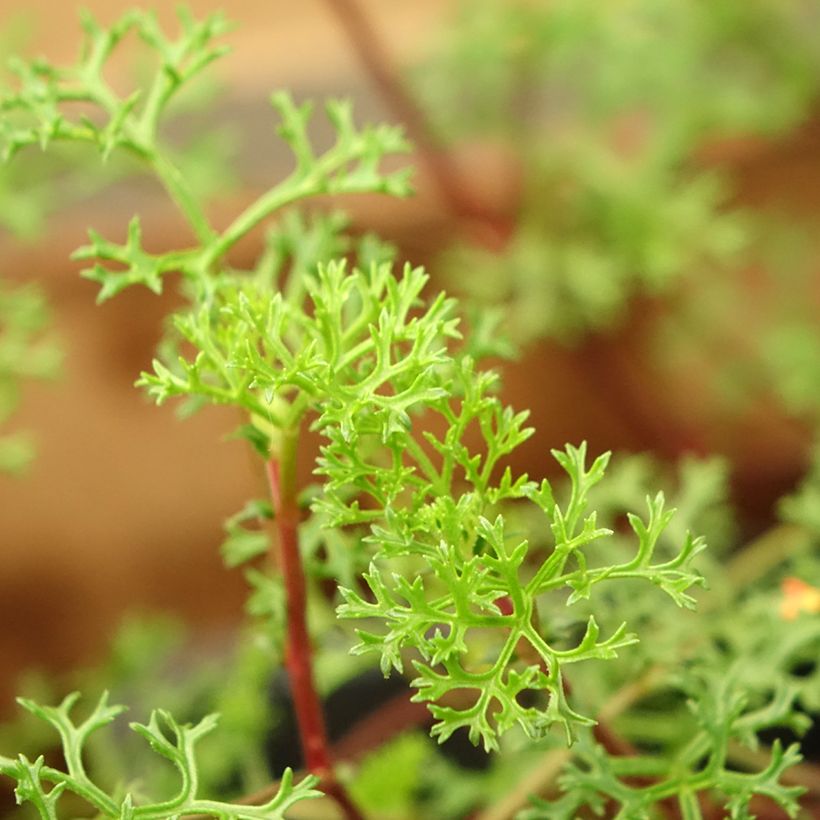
column 798, row 596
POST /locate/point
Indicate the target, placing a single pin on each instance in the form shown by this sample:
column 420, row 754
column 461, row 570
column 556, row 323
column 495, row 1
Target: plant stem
column 274, row 200
column 281, row 474
column 438, row 161
column 145, row 146
column 177, row 188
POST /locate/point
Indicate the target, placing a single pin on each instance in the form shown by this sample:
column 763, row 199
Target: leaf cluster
column 276, row 356
column 475, row 602
column 52, row 103
column 363, row 353
column 710, row 691
column 349, row 166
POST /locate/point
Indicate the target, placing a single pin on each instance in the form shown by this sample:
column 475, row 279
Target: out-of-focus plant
column 27, row 350
column 606, row 107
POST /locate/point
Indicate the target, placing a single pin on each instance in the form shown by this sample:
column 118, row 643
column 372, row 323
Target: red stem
column 298, row 650
column 439, row 163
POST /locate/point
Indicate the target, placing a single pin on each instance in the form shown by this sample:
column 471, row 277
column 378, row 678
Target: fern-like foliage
column 350, row 166
column 43, row 786
column 42, row 110
column 38, row 112
column 473, row 600
column 363, row 353
column 713, row 692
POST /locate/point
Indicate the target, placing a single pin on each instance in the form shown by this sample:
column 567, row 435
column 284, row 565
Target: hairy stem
column 281, row 474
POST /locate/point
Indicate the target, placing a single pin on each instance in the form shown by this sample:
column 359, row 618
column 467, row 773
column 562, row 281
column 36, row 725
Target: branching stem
column 142, row 142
